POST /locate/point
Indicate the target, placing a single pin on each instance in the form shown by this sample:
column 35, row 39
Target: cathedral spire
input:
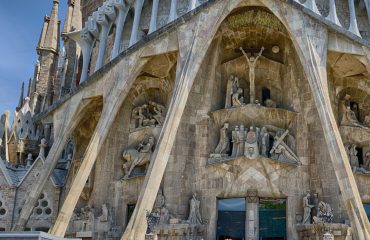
column 21, row 97
column 50, row 32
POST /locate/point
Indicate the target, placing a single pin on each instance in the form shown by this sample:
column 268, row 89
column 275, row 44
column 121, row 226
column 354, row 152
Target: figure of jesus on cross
column 252, row 61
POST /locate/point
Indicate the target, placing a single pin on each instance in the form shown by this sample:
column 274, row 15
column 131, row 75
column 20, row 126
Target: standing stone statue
column 353, row 159
column 234, row 140
column 366, row 164
column 315, row 203
column 194, row 213
column 223, row 146
column 104, row 216
column 251, row 144
column 307, row 209
column 138, row 116
column 264, row 143
column 252, row 62
column 240, row 141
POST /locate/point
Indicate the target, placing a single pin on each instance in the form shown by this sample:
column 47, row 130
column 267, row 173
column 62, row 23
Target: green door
column 272, row 219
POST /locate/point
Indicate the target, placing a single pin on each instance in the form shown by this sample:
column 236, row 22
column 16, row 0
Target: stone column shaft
column 135, row 26
column 120, row 22
column 112, row 104
column 153, row 17
column 332, row 16
column 102, row 46
column 173, row 11
column 353, row 21
column 311, row 4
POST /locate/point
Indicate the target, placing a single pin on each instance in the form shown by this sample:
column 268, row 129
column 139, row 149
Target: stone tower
column 45, row 68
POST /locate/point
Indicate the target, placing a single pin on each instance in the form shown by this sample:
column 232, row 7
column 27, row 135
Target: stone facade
column 195, row 120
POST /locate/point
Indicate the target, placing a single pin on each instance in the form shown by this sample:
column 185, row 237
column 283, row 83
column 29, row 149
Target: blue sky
column 20, row 23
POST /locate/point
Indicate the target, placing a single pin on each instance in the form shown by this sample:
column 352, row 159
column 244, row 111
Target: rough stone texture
column 185, row 67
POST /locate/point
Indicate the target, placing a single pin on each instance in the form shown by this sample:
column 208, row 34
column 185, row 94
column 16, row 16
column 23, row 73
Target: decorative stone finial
column 42, row 148
column 29, row 160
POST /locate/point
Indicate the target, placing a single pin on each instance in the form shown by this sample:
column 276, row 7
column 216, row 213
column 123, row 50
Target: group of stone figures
column 349, row 114
column 161, row 216
column 235, row 94
column 354, row 161
column 256, row 142
column 138, row 157
column 84, row 219
column 316, row 211
column 151, row 114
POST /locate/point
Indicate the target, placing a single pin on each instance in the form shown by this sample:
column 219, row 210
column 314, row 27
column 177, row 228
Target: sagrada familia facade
column 193, row 119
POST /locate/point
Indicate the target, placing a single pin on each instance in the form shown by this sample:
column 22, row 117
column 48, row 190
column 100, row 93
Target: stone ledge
column 355, row 135
column 216, row 161
column 249, row 113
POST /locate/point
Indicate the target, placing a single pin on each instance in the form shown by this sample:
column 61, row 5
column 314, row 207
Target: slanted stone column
column 332, row 16
column 135, row 26
column 128, row 71
column 193, row 46
column 173, row 11
column 153, row 17
column 353, row 20
column 120, row 22
column 68, row 118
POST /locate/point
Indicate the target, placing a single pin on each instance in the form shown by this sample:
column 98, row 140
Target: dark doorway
column 266, row 94
column 231, row 219
column 272, row 219
column 130, row 211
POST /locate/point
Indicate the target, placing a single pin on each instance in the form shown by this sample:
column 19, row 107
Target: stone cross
column 252, row 62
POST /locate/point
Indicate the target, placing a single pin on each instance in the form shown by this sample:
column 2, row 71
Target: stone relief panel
column 138, row 157
column 148, row 115
column 252, row 142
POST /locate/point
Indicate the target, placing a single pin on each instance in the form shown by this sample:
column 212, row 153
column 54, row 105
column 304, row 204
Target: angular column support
column 353, row 28
column 71, row 117
column 192, row 52
column 120, row 22
column 311, row 4
column 173, row 11
column 332, row 16
column 85, row 40
column 153, row 17
column 101, row 19
column 317, row 77
column 111, row 106
column 135, row 26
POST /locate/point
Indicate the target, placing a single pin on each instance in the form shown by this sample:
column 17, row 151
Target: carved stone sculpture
column 240, row 141
column 366, row 164
column 349, row 119
column 194, row 213
column 251, row 144
column 104, row 216
column 270, row 103
column 307, row 209
column 367, row 121
column 150, row 114
column 281, row 151
column 315, row 203
column 353, row 159
column 252, row 62
column 234, row 137
column 264, row 143
column 223, row 146
column 325, row 214
column 229, row 91
column 237, row 98
column 138, row 157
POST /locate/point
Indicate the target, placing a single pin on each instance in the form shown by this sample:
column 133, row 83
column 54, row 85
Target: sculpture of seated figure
column 237, row 98
column 349, row 119
column 325, row 214
column 158, row 110
column 138, row 157
column 281, row 151
column 223, row 146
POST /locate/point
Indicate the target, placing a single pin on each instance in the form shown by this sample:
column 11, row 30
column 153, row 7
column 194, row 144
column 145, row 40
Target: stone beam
column 193, row 46
column 317, row 77
column 113, row 100
column 68, row 117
